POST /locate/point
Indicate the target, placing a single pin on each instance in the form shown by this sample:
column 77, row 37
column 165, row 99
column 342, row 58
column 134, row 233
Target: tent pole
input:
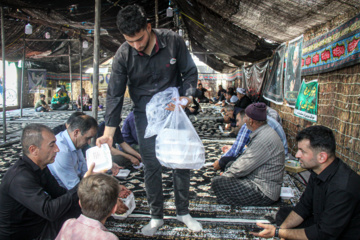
column 81, row 86
column 22, row 79
column 70, row 75
column 96, row 59
column 3, row 77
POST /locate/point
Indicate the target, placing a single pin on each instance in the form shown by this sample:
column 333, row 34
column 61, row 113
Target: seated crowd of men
column 50, row 192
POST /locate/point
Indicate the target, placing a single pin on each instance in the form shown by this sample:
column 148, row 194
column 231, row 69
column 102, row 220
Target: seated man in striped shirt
column 242, row 139
column 255, row 177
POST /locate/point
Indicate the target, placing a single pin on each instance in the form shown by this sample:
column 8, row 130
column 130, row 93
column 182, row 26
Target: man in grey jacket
column 255, row 177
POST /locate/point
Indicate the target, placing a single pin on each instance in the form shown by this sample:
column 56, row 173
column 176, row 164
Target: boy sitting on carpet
column 98, row 199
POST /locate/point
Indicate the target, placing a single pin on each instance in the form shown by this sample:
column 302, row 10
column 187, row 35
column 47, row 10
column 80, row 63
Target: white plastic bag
column 178, row 146
column 156, row 113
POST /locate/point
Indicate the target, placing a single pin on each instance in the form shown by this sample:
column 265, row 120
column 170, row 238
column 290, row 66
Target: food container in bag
column 177, row 149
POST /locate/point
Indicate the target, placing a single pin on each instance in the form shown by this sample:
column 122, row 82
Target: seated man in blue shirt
column 70, row 164
column 330, row 206
column 64, row 126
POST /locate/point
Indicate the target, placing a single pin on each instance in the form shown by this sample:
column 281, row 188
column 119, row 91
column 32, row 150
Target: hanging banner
column 236, row 75
column 273, row 88
column 66, row 76
column 37, row 79
column 336, row 49
column 68, row 87
column 103, row 83
column 292, row 79
column 307, row 102
column 254, row 77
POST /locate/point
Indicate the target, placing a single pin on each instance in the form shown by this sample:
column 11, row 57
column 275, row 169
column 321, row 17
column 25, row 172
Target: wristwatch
column 277, row 232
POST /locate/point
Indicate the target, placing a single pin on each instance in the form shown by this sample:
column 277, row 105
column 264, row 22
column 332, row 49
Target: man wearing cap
column 256, row 176
column 60, row 100
column 244, row 100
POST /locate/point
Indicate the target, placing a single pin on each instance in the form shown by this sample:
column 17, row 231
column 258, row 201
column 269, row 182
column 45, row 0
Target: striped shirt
column 262, row 162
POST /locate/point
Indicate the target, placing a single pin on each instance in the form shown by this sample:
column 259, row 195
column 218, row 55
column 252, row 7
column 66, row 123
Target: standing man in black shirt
column 150, row 61
column 32, row 204
column 330, row 206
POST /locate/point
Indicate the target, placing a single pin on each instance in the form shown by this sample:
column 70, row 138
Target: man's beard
column 148, row 41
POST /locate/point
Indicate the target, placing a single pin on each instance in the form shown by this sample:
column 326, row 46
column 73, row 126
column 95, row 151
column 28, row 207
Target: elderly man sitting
column 255, row 177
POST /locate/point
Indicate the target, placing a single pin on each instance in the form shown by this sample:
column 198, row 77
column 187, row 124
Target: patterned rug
column 219, row 221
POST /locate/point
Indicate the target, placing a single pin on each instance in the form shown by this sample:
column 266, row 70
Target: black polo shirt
column 169, row 65
column 333, row 198
column 243, row 102
column 29, row 197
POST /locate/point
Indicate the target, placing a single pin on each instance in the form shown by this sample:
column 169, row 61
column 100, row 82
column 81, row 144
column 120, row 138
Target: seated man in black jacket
column 244, row 100
column 32, row 204
column 330, row 206
column 202, row 98
column 193, row 109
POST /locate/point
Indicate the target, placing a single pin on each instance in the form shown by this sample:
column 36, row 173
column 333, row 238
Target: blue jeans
column 57, row 106
column 41, row 108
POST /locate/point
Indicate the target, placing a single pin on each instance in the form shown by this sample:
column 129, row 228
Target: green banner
column 307, row 101
column 68, row 87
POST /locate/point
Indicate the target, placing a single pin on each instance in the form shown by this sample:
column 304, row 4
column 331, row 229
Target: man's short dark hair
column 32, row 135
column 321, row 139
column 98, row 195
column 131, row 19
column 84, row 123
column 42, row 95
column 73, row 116
column 229, row 107
column 241, row 112
column 230, row 91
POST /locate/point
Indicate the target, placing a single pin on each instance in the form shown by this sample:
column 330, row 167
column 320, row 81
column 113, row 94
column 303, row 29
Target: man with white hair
column 244, row 100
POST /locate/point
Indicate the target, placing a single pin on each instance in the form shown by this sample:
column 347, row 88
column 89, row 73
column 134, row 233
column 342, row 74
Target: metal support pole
column 96, row 63
column 70, row 75
column 22, row 79
column 3, row 77
column 156, row 14
column 80, row 52
column 96, row 59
